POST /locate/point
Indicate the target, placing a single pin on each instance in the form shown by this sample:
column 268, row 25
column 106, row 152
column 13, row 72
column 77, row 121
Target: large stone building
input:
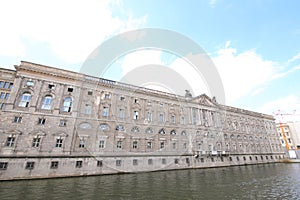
column 60, row 123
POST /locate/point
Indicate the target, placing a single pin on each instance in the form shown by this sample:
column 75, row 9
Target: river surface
column 269, row 181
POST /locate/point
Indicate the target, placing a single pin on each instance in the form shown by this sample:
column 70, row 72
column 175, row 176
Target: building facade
column 58, row 123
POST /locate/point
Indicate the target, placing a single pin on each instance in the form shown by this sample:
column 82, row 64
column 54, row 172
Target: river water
column 269, row 181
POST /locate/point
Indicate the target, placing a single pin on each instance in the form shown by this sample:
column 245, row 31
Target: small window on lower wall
column 99, row 163
column 150, row 161
column 244, row 158
column 212, row 160
column 256, row 158
column 118, row 163
column 54, row 165
column 3, row 165
column 163, row 161
column 29, row 165
column 78, row 164
column 222, row 159
column 176, row 160
column 135, row 162
column 250, row 158
column 230, row 158
column 237, row 158
column 202, row 159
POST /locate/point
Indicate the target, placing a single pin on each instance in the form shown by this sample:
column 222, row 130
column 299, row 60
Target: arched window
column 85, row 125
column 25, row 99
column 135, row 129
column 67, row 105
column 183, row 133
column 104, row 127
column 47, row 102
column 149, row 130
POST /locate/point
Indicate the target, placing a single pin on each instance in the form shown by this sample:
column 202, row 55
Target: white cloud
column 154, row 57
column 294, row 58
column 71, row 28
column 284, row 109
column 242, row 73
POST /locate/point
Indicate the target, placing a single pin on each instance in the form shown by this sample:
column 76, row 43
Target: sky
column 254, row 44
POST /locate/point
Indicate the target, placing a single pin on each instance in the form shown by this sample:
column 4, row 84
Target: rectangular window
column 176, row 160
column 90, row 93
column 11, row 85
column 2, row 95
column 101, row 144
column 81, row 143
column 184, row 145
column 70, row 89
column 2, row 106
column 172, row 119
column 78, row 164
column 36, row 142
column 150, row 161
column 7, row 96
column 149, row 145
column 202, row 160
column 3, row 165
column 107, row 96
column 6, row 85
column 10, row 141
column 135, row 115
column 135, row 145
column 63, row 123
column 54, row 165
column 41, row 121
column 161, row 118
column 162, row 145
column 182, row 120
column 149, row 116
column 135, row 162
column 1, row 84
column 119, row 145
column 163, row 161
column 118, row 163
column 29, row 165
column 99, row 163
column 174, row 145
column 105, row 111
column 17, row 119
column 59, row 142
column 88, row 109
column 121, row 114
column 136, row 100
column 122, row 98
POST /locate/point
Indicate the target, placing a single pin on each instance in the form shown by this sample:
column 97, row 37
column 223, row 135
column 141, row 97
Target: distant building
column 56, row 123
column 291, row 131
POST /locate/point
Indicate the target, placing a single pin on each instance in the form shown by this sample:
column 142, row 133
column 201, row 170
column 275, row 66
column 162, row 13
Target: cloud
column 286, row 108
column 72, row 29
column 294, row 58
column 243, row 73
column 159, row 57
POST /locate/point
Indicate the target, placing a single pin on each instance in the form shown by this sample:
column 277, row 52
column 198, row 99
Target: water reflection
column 272, row 181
